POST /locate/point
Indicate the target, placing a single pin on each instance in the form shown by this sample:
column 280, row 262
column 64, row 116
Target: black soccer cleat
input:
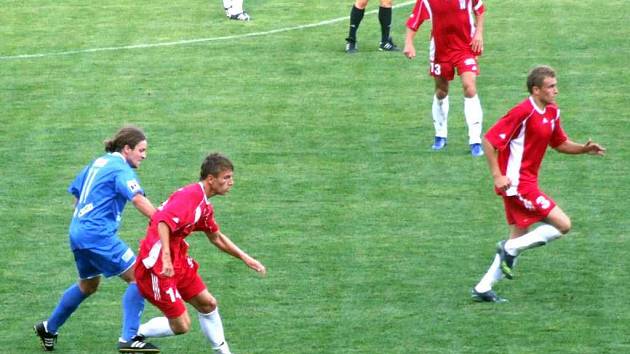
column 48, row 340
column 137, row 345
column 388, row 46
column 351, row 46
column 507, row 260
column 488, row 296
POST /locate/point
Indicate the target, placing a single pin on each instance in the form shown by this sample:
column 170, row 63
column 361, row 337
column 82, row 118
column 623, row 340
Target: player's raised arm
column 144, row 205
column 591, row 148
column 226, row 245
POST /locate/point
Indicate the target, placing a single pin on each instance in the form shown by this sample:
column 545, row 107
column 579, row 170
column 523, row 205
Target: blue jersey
column 102, row 189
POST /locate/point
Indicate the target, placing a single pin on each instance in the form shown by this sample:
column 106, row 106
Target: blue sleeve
column 76, row 185
column 127, row 184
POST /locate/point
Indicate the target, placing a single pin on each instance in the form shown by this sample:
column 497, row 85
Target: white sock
column 492, row 276
column 237, row 7
column 227, row 4
column 440, row 116
column 156, row 327
column 212, row 328
column 474, row 118
column 540, row 236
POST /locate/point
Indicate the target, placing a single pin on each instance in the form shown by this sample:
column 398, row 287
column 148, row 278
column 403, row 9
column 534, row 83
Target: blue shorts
column 109, row 260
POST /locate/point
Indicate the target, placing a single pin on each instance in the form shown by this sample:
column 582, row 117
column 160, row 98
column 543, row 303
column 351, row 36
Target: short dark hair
column 127, row 135
column 537, row 76
column 214, row 164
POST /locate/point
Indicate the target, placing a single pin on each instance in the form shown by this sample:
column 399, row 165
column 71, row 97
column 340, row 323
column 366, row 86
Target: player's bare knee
column 88, row 288
column 181, row 329
column 386, row 3
column 208, row 306
column 181, row 326
column 441, row 93
column 565, row 227
column 360, row 4
column 470, row 91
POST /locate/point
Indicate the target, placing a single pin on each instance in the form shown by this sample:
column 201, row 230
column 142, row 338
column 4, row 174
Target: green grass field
column 372, row 242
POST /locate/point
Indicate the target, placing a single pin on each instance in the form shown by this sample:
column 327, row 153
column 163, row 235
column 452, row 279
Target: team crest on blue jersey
column 133, row 185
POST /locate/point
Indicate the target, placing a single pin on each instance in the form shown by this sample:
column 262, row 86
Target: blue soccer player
column 101, row 190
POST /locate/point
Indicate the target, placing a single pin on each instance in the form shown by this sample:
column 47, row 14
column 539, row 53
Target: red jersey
column 522, row 137
column 453, row 26
column 185, row 211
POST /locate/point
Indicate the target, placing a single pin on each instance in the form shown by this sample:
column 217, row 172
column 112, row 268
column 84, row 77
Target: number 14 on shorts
column 174, row 294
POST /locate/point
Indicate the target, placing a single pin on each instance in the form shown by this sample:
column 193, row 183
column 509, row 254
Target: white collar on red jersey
column 204, row 193
column 538, row 109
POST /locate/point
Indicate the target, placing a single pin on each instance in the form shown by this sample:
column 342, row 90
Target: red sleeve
column 505, row 128
column 421, row 12
column 207, row 223
column 558, row 136
column 176, row 212
column 478, row 7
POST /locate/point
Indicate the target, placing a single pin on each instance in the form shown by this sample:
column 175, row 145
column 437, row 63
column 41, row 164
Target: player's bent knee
column 441, row 94
column 180, row 326
column 88, row 287
column 565, row 227
column 470, row 92
column 208, row 306
column 361, row 4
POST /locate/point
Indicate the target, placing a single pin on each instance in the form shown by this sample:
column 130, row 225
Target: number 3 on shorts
column 436, row 69
column 173, row 293
column 543, row 202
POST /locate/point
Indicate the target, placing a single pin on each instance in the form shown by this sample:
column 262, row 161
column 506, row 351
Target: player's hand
column 502, row 183
column 255, row 265
column 409, row 50
column 167, row 267
column 592, row 148
column 477, row 43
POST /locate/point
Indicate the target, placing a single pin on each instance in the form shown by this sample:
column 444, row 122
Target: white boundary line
column 188, row 41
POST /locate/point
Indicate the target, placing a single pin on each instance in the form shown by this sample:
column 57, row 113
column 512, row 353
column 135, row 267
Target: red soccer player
column 167, row 276
column 456, row 42
column 515, row 147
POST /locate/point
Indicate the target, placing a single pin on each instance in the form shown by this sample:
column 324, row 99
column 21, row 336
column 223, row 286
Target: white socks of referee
column 474, row 118
column 440, row 116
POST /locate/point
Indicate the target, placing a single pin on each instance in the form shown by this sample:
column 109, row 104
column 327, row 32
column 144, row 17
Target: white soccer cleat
column 222, row 349
column 243, row 16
